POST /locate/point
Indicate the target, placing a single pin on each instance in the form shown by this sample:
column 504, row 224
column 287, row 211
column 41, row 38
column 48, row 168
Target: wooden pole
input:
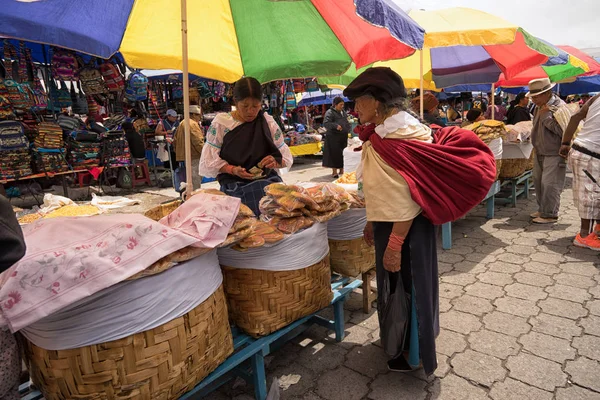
column 421, row 81
column 493, row 101
column 186, row 100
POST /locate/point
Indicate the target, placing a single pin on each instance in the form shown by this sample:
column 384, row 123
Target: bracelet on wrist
column 566, row 143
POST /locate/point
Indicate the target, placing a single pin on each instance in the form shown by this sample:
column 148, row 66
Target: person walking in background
column 549, row 168
column 197, row 141
column 12, row 245
column 584, row 156
column 518, row 111
column 336, row 137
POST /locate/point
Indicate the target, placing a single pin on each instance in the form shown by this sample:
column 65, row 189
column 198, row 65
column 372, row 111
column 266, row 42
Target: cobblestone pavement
column 519, row 316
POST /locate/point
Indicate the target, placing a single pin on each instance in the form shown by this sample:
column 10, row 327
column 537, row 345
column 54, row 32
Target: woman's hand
column 339, row 127
column 240, row 172
column 392, row 260
column 268, row 162
column 368, row 234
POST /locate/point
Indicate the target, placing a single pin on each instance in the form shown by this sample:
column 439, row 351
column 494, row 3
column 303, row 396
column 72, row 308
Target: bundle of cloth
column 50, row 136
column 293, row 138
column 83, row 154
column 59, row 270
column 50, row 161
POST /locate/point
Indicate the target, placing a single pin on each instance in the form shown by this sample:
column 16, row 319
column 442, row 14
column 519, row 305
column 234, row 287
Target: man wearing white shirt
column 584, row 159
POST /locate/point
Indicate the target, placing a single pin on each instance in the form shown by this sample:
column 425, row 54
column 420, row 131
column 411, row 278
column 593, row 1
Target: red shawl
column 448, row 177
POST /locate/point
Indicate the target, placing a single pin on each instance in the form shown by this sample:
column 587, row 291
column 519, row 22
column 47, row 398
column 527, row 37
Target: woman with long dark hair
column 245, row 148
column 336, row 137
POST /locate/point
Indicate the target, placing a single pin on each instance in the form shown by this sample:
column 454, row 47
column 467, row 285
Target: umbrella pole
column 493, row 101
column 421, row 81
column 186, row 99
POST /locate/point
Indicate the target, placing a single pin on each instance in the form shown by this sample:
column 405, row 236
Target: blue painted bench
column 248, row 359
column 518, row 186
column 490, row 204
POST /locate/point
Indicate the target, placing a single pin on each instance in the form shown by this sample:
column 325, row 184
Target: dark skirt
column 250, row 192
column 419, row 250
column 333, row 151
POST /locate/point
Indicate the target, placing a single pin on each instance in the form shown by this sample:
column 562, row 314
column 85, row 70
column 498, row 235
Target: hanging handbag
column 80, row 105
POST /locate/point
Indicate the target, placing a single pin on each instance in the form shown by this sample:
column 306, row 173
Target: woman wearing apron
column 245, row 148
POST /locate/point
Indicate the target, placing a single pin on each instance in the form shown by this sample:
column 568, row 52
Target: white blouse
column 210, row 161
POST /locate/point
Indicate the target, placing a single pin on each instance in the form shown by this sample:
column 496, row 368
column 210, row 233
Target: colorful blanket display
column 294, row 138
column 83, row 154
column 50, row 136
column 50, row 160
column 115, row 150
column 15, row 160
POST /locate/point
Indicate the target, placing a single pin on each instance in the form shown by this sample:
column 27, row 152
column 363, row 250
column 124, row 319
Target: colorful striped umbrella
column 454, row 65
column 228, row 39
column 564, row 66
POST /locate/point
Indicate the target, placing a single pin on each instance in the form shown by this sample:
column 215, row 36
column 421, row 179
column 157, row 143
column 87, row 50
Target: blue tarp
column 92, row 27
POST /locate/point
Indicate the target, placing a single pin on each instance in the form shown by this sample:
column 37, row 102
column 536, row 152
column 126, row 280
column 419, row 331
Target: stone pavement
column 519, row 316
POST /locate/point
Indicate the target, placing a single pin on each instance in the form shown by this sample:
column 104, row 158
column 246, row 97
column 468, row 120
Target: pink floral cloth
column 68, row 259
column 192, row 217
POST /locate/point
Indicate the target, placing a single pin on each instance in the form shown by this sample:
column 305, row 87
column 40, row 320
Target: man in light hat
column 550, row 120
column 584, row 155
column 197, row 137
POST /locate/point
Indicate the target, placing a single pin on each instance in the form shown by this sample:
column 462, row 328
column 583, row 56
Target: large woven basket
column 351, row 257
column 498, row 167
column 513, row 167
column 161, row 363
column 261, row 302
column 162, row 210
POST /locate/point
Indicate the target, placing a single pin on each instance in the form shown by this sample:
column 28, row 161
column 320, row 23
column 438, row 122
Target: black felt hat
column 380, row 82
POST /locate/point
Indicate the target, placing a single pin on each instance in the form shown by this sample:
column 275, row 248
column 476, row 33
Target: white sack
column 351, row 159
column 297, row 251
column 348, row 225
column 129, row 307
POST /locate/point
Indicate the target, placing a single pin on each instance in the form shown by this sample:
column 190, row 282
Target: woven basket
column 162, row 210
column 351, row 257
column 513, row 167
column 261, row 302
column 161, row 363
column 530, row 161
column 498, row 167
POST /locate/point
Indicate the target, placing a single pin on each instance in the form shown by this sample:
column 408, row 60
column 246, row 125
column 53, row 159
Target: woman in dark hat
column 412, row 179
column 336, row 138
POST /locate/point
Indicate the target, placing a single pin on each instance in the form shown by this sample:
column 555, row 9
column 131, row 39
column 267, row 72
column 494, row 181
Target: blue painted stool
column 489, row 203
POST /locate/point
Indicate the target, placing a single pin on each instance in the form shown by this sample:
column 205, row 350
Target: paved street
column 520, row 319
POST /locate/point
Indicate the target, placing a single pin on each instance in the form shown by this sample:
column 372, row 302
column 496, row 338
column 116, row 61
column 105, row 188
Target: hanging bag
column 64, row 65
column 137, row 87
column 20, row 95
column 91, row 80
column 80, row 105
column 290, row 96
column 393, row 316
column 113, row 79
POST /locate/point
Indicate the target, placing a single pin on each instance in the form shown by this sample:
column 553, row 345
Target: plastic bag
column 110, row 202
column 394, row 315
column 274, row 391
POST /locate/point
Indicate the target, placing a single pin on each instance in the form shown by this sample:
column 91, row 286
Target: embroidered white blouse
column 210, row 161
